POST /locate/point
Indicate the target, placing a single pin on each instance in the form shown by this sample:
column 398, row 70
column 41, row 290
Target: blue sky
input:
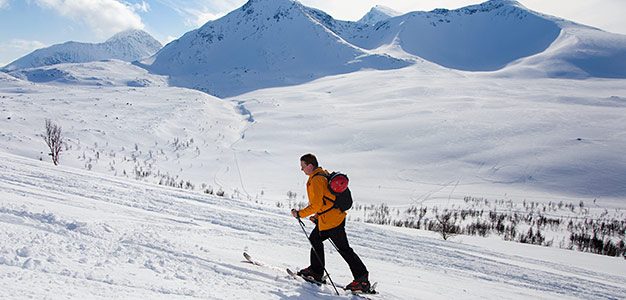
column 26, row 25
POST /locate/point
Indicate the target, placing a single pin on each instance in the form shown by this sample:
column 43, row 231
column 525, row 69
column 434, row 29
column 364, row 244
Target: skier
column 329, row 224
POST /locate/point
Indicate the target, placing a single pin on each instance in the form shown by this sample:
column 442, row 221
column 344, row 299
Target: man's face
column 307, row 169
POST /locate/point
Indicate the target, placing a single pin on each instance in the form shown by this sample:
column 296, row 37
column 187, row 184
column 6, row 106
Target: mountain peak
column 378, row 13
column 264, row 43
column 130, row 34
column 506, row 2
column 495, row 4
column 266, row 4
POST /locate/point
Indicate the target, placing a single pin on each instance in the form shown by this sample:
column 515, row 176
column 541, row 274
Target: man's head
column 308, row 163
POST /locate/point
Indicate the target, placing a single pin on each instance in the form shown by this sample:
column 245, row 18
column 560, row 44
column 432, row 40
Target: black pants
column 338, row 236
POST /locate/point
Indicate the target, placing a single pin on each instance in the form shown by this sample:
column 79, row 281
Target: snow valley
column 175, row 162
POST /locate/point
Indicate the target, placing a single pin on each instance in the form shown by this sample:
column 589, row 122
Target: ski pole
column 316, row 255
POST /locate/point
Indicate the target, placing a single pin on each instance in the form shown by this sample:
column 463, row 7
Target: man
column 329, row 224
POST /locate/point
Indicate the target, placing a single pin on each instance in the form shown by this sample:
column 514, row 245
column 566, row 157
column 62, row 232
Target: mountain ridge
column 263, row 43
column 268, row 43
column 127, row 45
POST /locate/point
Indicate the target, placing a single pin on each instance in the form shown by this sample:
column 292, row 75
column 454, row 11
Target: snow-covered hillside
column 128, row 45
column 422, row 135
column 429, row 134
column 579, row 52
column 118, row 119
column 71, row 234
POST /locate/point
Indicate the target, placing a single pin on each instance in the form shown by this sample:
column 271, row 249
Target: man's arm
column 316, row 200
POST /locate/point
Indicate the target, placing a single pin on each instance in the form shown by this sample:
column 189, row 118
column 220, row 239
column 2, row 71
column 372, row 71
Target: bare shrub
column 54, row 140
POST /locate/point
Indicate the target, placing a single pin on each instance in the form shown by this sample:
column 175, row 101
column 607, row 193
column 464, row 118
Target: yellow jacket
column 317, row 189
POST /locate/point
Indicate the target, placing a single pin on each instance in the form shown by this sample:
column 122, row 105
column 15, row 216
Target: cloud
column 4, row 4
column 23, row 45
column 16, row 48
column 604, row 14
column 197, row 18
column 198, row 12
column 104, row 17
column 143, row 7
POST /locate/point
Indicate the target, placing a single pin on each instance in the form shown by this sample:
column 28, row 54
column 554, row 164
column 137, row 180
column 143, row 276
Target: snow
column 412, row 136
column 90, row 229
column 70, row 233
column 132, row 211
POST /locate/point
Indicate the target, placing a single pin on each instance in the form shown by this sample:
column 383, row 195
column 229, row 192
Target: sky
column 26, row 25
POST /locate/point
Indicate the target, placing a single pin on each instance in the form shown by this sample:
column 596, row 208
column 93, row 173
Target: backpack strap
column 332, row 207
column 321, row 173
column 325, row 198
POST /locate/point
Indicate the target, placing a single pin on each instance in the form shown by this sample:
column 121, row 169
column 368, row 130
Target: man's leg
column 317, row 251
column 338, row 236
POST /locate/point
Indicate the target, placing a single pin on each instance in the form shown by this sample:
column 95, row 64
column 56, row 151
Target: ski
column 372, row 290
column 251, row 260
column 305, row 278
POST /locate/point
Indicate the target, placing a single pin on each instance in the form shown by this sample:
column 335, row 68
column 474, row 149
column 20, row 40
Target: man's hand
column 294, row 213
column 313, row 219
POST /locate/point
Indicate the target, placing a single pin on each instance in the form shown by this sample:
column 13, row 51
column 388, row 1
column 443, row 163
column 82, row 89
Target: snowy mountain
column 378, row 13
column 262, row 44
column 270, row 43
column 494, row 34
column 128, row 45
column 476, row 38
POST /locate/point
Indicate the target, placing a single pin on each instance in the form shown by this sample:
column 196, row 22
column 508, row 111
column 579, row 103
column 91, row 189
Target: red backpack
column 338, row 186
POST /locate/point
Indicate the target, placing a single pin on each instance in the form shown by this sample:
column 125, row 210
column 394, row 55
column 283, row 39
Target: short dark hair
column 310, row 159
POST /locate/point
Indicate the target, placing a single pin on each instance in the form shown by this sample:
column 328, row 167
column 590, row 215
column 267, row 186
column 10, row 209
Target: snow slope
column 128, row 45
column 121, row 120
column 419, row 135
column 72, row 234
column 429, row 134
column 579, row 52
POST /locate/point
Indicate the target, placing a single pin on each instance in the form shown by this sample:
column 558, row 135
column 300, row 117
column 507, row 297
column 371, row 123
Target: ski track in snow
column 69, row 233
